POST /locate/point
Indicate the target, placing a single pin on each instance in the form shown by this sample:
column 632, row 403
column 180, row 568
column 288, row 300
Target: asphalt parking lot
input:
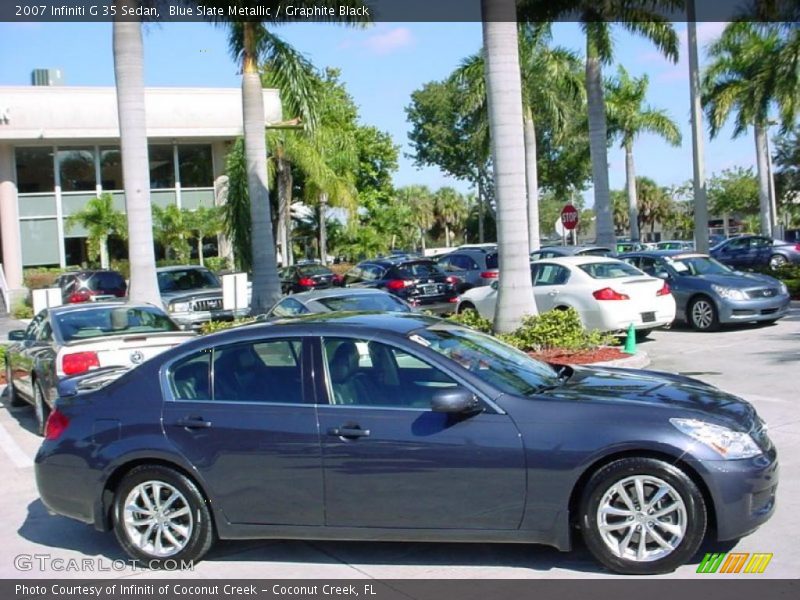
column 760, row 364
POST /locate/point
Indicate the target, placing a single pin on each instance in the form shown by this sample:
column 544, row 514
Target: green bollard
column 630, row 341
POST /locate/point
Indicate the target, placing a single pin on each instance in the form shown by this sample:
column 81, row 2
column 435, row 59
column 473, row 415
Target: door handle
column 194, row 423
column 553, row 293
column 348, row 432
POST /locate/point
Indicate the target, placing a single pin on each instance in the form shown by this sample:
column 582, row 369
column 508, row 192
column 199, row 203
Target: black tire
column 776, row 261
column 40, row 408
column 466, row 307
column 690, row 516
column 11, row 392
column 198, row 516
column 643, row 334
column 703, row 314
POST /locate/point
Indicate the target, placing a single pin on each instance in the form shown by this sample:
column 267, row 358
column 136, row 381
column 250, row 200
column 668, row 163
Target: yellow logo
column 734, row 562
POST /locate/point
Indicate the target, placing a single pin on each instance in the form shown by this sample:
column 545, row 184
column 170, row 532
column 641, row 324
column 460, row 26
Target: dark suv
column 473, row 265
column 305, row 277
column 89, row 285
column 420, row 282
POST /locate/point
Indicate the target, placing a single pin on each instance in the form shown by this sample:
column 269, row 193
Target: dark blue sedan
column 368, row 426
column 708, row 294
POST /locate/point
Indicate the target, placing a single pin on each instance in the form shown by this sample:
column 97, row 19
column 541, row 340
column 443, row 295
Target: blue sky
column 380, row 65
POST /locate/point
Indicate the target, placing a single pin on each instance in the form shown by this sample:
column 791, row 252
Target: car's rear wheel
column 776, row 261
column 703, row 314
column 642, row 516
column 11, row 392
column 466, row 307
column 643, row 334
column 160, row 515
column 40, row 407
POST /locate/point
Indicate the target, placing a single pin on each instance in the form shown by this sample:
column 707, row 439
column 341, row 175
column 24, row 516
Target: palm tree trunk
column 763, row 180
column 284, row 207
column 598, row 145
column 481, row 234
column 129, row 76
column 200, row 249
column 446, row 235
column 630, row 182
column 323, row 231
column 266, row 285
column 104, row 252
column 422, row 239
column 532, row 175
column 698, row 157
column 504, row 96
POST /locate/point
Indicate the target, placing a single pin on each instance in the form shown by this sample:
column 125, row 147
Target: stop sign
column 569, row 217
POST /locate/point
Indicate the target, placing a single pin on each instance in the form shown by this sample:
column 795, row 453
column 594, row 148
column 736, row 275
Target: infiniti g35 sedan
column 368, row 426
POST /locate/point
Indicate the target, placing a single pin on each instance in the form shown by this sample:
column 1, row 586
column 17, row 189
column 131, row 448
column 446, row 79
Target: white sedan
column 608, row 294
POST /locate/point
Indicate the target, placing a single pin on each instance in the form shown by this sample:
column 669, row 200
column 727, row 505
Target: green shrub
column 217, row 263
column 22, row 310
column 214, row 326
column 2, row 358
column 123, row 267
column 560, row 329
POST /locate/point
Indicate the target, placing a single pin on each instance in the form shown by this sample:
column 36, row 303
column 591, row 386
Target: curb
column 637, row 361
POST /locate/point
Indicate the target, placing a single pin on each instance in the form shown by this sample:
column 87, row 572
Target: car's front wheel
column 466, row 307
column 776, row 261
column 642, row 516
column 160, row 515
column 703, row 314
column 11, row 392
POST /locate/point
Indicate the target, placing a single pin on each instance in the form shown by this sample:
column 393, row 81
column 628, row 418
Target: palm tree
column 641, row 18
column 629, row 117
column 251, row 43
column 421, row 202
column 747, row 76
column 203, row 222
column 551, row 91
column 101, row 220
column 171, row 231
column 504, row 98
column 129, row 76
column 451, row 211
column 655, row 203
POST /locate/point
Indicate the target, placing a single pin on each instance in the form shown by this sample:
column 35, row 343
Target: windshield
column 698, row 265
column 382, row 302
column 491, row 261
column 419, row 269
column 112, row 320
column 498, row 364
column 181, row 280
column 610, row 270
column 310, row 270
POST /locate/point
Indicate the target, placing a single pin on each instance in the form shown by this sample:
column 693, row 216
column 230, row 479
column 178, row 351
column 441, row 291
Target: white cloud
column 383, row 41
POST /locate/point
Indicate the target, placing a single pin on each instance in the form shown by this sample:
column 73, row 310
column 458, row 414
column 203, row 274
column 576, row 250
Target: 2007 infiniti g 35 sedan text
column 402, row 427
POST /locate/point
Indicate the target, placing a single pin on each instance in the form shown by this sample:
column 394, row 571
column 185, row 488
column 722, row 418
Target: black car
column 418, row 281
column 402, row 427
column 91, row 284
column 305, row 277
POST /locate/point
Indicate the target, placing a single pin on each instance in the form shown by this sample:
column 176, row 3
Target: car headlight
column 180, row 307
column 726, row 442
column 729, row 293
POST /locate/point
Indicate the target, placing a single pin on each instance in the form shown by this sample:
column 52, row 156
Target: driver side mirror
column 17, row 335
column 457, row 400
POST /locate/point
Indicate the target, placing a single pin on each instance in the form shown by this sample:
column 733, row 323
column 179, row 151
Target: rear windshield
column 187, row 279
column 491, row 261
column 419, row 269
column 112, row 320
column 314, row 270
column 595, row 252
column 610, row 270
column 107, row 282
column 382, row 302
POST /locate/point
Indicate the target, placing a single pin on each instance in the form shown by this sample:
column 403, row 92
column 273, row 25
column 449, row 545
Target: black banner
column 289, row 11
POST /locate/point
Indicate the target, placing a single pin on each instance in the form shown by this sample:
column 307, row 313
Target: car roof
column 335, row 293
column 83, row 306
column 665, row 253
column 400, row 323
column 575, row 260
column 179, row 268
column 570, row 250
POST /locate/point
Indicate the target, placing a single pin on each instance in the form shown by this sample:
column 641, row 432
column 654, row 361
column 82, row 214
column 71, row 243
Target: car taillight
column 609, row 294
column 664, row 291
column 82, row 296
column 453, row 279
column 490, row 274
column 337, row 280
column 56, row 423
column 398, row 284
column 79, row 362
column 306, row 282
column 797, row 247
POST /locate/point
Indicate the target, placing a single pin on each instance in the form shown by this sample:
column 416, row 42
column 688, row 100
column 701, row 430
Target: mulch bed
column 580, row 357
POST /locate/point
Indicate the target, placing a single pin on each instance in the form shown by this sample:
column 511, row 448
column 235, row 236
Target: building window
column 162, row 167
column 194, row 166
column 76, row 169
column 111, row 168
column 34, row 170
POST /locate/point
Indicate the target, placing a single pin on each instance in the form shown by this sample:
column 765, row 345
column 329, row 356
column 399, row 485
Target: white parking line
column 13, row 451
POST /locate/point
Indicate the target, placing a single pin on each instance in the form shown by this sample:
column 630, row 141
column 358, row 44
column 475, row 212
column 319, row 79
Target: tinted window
column 34, row 170
column 372, row 272
column 267, row 372
column 288, row 307
column 698, row 265
column 190, row 377
column 76, row 168
column 382, row 302
column 738, row 244
column 194, row 165
column 418, row 269
column 111, row 168
column 186, row 279
column 759, row 242
column 550, row 275
column 162, row 167
column 610, row 270
column 491, row 261
column 109, row 282
column 461, row 262
column 311, row 270
column 368, row 373
column 112, row 320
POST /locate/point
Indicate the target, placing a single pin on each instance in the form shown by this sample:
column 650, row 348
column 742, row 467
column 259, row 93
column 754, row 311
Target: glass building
column 59, row 147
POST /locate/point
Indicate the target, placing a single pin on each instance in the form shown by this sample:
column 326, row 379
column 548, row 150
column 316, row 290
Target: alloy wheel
column 777, row 261
column 642, row 518
column 157, row 519
column 702, row 314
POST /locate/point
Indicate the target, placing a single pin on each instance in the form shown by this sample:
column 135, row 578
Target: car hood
column 622, row 386
column 737, row 280
column 186, row 295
